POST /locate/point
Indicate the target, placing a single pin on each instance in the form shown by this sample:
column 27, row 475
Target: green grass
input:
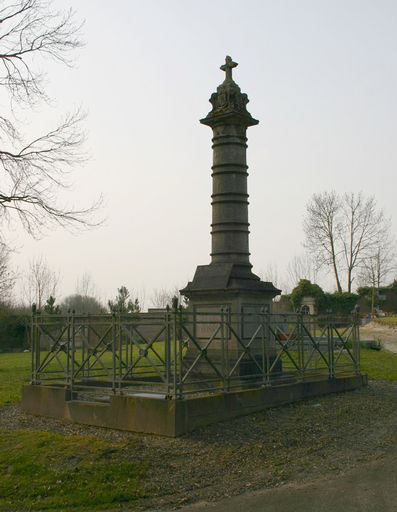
column 45, row 471
column 15, row 368
column 389, row 321
column 379, row 365
column 14, row 371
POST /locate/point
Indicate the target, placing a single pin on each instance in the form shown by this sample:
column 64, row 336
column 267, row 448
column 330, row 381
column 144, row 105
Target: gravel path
column 290, row 444
column 387, row 335
column 372, row 487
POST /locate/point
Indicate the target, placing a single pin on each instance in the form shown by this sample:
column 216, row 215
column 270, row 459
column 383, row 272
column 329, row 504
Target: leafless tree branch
column 30, row 29
column 344, row 232
column 321, row 226
column 33, row 172
column 40, row 282
column 7, row 276
column 301, row 267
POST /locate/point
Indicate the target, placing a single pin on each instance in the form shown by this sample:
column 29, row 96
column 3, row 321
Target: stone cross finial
column 228, row 66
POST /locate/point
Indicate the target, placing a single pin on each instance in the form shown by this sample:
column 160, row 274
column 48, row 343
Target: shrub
column 14, row 330
column 307, row 289
column 339, row 303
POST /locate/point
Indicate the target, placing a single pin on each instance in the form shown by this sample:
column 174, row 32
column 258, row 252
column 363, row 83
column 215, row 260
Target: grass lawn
column 389, row 321
column 379, row 365
column 14, row 371
column 15, row 368
column 45, row 471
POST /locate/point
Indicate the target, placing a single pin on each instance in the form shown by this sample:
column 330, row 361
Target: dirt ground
column 375, row 331
column 289, row 445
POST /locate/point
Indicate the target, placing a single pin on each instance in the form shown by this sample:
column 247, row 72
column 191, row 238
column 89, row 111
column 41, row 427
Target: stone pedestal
column 228, row 281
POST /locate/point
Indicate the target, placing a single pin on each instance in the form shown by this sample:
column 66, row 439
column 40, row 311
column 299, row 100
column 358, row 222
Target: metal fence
column 177, row 353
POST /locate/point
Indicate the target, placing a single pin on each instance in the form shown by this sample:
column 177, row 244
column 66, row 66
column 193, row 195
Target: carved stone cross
column 228, row 66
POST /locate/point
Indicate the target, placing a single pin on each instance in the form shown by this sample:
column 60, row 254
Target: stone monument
column 228, row 281
column 210, row 363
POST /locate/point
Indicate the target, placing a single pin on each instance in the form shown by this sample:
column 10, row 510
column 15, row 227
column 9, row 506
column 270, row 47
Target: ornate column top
column 229, row 104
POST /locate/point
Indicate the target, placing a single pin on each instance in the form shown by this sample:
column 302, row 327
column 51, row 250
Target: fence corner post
column 73, row 351
column 356, row 337
column 33, row 347
column 114, row 348
column 331, row 346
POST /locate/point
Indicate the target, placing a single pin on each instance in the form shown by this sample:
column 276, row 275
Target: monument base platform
column 218, row 278
column 173, row 418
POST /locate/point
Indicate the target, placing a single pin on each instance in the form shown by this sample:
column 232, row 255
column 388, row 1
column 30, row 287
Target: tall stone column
column 229, row 120
column 228, row 284
column 229, row 278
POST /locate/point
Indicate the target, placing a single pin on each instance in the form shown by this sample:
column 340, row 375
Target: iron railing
column 177, row 352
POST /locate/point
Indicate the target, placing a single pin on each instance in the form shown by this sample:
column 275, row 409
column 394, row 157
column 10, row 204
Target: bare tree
column 141, row 295
column 322, row 226
column 375, row 271
column 7, row 276
column 163, row 297
column 82, row 304
column 33, row 171
column 270, row 273
column 361, row 230
column 41, row 282
column 380, row 266
column 85, row 286
column 343, row 232
column 301, row 267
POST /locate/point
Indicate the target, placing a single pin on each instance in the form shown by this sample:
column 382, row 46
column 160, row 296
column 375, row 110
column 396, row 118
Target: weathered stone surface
column 230, row 268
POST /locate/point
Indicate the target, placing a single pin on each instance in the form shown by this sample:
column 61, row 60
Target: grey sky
column 321, row 77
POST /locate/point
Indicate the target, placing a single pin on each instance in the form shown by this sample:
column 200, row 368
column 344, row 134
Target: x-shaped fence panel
column 181, row 352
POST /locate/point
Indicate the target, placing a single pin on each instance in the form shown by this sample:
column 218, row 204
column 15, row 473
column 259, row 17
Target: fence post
column 84, row 340
column 180, row 353
column 114, row 348
column 119, row 334
column 226, row 319
column 177, row 384
column 38, row 318
column 223, row 352
column 167, row 350
column 68, row 349
column 300, row 345
column 33, row 347
column 73, row 354
column 356, row 337
column 267, row 344
column 263, row 340
column 86, row 353
column 331, row 347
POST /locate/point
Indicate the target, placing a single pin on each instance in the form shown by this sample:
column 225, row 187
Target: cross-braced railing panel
column 177, row 352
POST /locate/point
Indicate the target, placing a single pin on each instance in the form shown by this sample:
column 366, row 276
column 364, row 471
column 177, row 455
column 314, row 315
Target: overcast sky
column 321, row 77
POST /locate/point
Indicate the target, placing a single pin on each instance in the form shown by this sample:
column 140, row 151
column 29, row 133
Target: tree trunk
column 349, row 280
column 338, row 285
